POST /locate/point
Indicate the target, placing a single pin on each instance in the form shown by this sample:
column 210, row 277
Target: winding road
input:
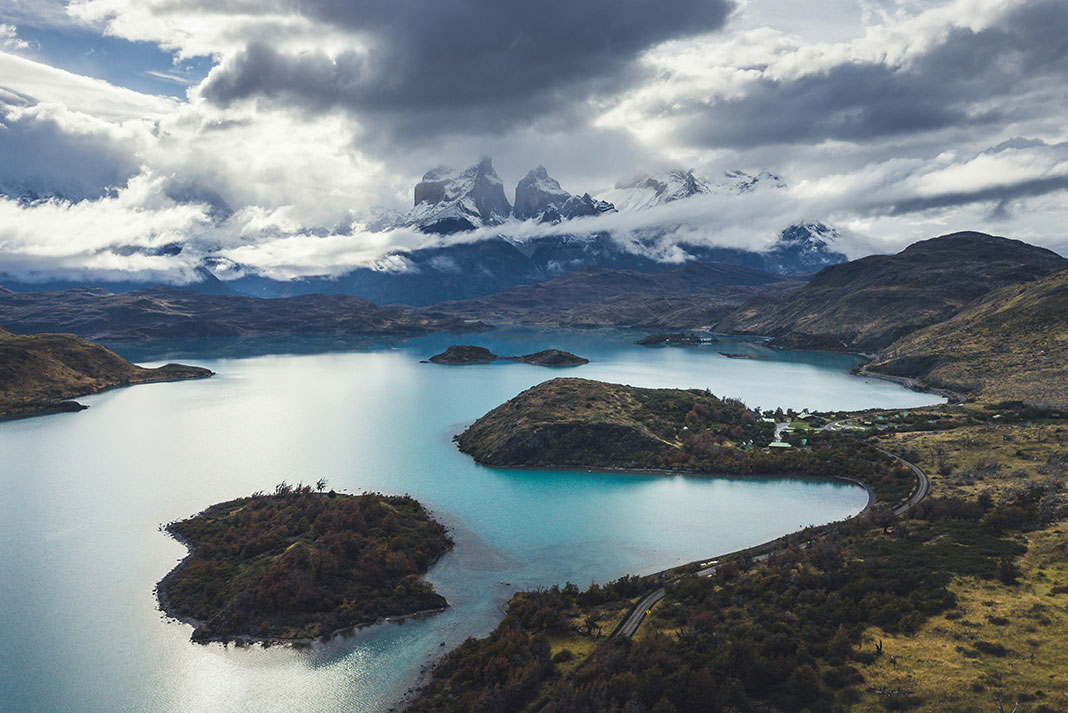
column 637, row 615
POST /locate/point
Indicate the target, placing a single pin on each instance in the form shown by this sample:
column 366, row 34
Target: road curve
column 923, row 484
column 637, row 615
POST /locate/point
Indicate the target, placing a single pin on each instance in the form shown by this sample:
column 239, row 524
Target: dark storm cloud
column 40, row 157
column 464, row 64
column 1001, row 195
column 950, row 85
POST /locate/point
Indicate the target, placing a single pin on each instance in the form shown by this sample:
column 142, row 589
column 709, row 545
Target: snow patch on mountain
column 645, row 191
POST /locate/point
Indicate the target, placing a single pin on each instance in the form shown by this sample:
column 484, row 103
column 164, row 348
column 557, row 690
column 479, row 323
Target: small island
column 677, row 339
column 468, row 354
column 299, row 564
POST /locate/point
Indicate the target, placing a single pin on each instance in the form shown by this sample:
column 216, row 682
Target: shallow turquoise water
column 84, row 495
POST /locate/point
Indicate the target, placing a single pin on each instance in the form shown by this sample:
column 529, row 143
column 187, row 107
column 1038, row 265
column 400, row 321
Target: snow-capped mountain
column 536, row 193
column 647, row 191
column 449, row 202
column 539, row 197
column 805, row 247
column 30, row 191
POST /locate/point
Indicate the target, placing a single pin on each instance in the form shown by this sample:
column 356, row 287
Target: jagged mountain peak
column 538, row 193
column 539, row 196
column 450, row 202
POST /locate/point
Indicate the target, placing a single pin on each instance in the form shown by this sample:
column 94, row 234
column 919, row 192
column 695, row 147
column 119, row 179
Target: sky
column 267, row 133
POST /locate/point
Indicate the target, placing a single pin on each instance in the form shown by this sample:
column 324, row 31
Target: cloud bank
column 892, row 120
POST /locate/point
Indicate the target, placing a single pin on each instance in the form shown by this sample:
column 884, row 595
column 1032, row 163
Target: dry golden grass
column 953, row 663
column 983, row 458
column 1013, row 344
column 580, row 645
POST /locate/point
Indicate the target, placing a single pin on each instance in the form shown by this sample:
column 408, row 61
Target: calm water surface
column 84, row 496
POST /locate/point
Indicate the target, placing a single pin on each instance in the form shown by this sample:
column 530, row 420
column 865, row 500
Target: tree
column 805, row 684
column 320, row 485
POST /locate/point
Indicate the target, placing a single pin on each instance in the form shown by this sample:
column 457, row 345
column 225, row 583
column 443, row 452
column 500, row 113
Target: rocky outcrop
column 468, row 354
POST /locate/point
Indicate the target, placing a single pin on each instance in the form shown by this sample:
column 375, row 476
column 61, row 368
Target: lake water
column 84, row 495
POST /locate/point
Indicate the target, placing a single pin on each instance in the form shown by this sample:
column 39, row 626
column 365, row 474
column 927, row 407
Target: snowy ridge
column 647, row 191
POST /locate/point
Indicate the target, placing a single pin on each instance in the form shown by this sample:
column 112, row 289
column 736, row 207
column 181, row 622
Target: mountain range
column 449, row 203
column 975, row 313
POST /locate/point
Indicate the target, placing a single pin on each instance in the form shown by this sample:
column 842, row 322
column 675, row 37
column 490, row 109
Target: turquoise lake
column 84, row 496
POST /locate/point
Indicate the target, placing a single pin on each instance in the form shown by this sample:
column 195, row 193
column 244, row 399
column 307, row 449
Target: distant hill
column 694, row 295
column 40, row 373
column 868, row 304
column 1011, row 344
column 163, row 312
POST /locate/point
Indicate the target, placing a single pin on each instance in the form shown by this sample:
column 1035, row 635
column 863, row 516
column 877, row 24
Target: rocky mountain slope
column 868, row 304
column 1010, row 344
column 448, row 203
column 463, row 270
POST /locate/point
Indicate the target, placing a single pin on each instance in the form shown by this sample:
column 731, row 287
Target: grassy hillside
column 300, row 564
column 40, row 373
column 868, row 304
column 1011, row 344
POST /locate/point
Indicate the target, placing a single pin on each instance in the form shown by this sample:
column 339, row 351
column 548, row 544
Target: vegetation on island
column 578, row 422
column 300, row 563
column 41, row 373
column 959, row 607
column 468, row 354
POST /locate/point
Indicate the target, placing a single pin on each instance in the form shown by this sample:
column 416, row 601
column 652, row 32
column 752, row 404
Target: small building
column 779, row 444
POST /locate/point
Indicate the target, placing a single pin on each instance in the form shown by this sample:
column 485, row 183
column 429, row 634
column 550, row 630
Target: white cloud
column 281, row 189
column 35, row 82
column 9, row 39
